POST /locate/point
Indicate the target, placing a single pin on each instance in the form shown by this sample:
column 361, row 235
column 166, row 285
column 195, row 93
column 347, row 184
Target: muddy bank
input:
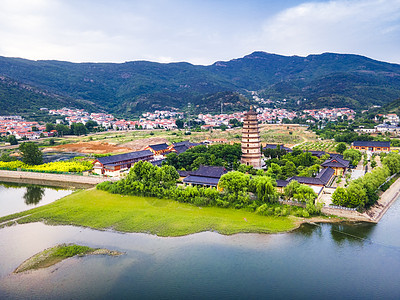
column 56, row 254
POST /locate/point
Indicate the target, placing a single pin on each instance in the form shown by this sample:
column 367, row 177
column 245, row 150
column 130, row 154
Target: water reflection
column 352, row 233
column 33, row 195
column 17, row 197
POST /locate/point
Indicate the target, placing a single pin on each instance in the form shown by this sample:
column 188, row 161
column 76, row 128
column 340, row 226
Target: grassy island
column 57, row 254
column 101, row 210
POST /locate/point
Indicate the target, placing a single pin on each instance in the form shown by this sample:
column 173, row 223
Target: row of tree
column 224, row 155
column 236, row 189
column 362, row 192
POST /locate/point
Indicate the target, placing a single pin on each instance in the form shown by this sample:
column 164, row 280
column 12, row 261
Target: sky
column 199, row 32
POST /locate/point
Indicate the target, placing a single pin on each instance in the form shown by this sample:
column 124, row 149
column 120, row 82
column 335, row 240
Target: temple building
column 251, row 149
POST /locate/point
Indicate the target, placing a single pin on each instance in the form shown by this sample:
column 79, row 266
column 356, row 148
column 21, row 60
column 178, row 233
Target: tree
column 78, row 129
column 289, row 169
column 90, row 125
column 340, row 197
column 62, row 129
column 234, row 182
column 392, row 161
column 353, row 155
column 357, row 196
column 274, row 171
column 50, row 127
column 264, row 187
column 304, row 193
column 31, row 155
column 341, row 147
column 291, row 189
column 179, row 123
column 7, row 158
column 12, row 140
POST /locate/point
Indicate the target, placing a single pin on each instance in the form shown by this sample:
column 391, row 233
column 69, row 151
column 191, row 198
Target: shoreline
column 375, row 213
column 378, row 210
column 47, row 258
column 79, row 181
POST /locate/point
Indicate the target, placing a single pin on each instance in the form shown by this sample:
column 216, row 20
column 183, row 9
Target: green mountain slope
column 21, row 98
column 128, row 88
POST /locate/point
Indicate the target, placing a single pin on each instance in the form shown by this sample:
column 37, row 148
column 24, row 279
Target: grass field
column 101, row 210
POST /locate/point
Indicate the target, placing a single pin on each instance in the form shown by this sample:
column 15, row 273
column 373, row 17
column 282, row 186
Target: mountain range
column 315, row 81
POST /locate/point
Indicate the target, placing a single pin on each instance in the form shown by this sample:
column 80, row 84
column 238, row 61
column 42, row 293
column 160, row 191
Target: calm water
column 16, row 197
column 359, row 261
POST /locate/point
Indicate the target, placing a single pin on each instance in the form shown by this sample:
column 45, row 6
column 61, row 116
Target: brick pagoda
column 251, row 152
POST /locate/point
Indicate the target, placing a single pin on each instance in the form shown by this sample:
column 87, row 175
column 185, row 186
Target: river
column 326, row 261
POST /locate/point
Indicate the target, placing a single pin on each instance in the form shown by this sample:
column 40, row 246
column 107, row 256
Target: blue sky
column 200, row 32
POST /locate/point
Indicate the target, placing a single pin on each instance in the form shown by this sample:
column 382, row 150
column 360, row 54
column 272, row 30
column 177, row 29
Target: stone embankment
column 376, row 212
column 77, row 181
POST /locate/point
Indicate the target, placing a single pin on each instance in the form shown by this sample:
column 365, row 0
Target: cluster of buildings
column 117, row 165
column 218, row 120
column 264, row 115
column 158, row 119
column 21, row 129
column 82, row 116
column 390, row 124
column 334, row 166
column 331, row 114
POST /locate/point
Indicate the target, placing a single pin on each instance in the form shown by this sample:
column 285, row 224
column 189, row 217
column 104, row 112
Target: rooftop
column 159, row 147
column 113, row 159
column 371, row 144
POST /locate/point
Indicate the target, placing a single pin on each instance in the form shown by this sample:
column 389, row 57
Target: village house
column 160, row 150
column 373, row 146
column 204, row 176
column 337, row 163
column 181, row 147
column 115, row 165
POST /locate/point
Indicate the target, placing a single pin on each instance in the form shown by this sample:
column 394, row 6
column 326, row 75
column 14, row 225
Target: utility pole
column 189, row 107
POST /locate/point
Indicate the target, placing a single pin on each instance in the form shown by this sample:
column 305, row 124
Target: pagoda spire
column 251, row 152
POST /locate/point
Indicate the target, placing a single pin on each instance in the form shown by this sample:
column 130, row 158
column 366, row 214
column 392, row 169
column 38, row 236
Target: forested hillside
column 127, row 88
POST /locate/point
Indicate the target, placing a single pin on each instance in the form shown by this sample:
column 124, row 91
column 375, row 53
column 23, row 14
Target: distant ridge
column 324, row 80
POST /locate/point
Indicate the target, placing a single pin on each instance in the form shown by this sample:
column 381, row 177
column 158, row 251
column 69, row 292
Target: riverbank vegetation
column 236, row 190
column 102, row 210
column 57, row 254
column 362, row 192
column 214, row 155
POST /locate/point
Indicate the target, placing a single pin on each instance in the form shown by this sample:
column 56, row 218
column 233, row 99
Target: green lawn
column 101, row 210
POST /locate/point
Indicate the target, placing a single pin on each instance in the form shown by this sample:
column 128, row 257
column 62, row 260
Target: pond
column 329, row 261
column 17, row 197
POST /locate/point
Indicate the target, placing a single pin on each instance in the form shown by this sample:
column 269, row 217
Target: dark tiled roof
column 281, row 183
column 159, row 147
column 180, row 148
column 316, row 153
column 157, row 162
column 115, row 159
column 336, row 162
column 183, row 173
column 187, row 144
column 307, row 180
column 209, row 171
column 322, row 178
column 325, row 175
column 274, row 146
column 193, row 179
column 335, row 155
column 371, row 144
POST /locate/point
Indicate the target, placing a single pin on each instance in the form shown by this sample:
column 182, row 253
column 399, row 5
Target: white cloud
column 362, row 27
column 165, row 31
